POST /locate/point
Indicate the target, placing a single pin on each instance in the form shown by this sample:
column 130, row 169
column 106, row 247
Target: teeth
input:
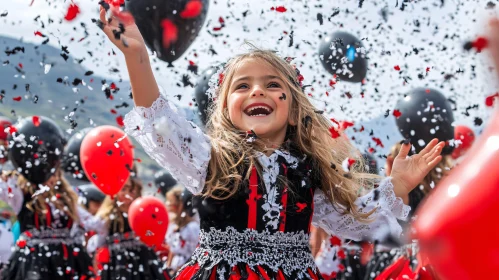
column 259, row 107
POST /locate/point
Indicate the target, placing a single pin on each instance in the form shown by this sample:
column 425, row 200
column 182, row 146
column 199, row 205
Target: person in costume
column 266, row 170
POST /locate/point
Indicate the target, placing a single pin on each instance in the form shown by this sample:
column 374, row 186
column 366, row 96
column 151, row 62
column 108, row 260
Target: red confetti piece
column 20, row 65
column 332, row 83
column 427, row 69
column 12, row 129
column 280, row 9
column 36, row 121
column 344, row 125
column 38, row 33
column 427, row 90
column 112, row 86
column 17, row 98
column 220, row 78
column 396, row 67
column 113, row 111
column 21, row 244
column 489, row 100
column 170, row 32
column 371, row 150
column 335, row 241
column 327, row 93
column 300, row 206
column 192, row 9
column 221, row 20
column 480, row 43
column 341, row 254
column 341, row 267
column 350, row 161
column 119, row 121
column 191, row 63
column 73, row 11
column 378, row 142
column 334, row 133
column 397, row 113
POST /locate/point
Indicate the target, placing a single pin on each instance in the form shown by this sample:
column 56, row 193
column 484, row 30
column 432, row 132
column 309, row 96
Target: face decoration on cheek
column 259, row 100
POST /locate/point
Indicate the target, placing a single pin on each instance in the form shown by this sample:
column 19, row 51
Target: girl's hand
column 130, row 41
column 408, row 172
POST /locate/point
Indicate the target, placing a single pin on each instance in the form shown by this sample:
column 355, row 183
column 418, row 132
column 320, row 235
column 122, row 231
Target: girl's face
column 259, row 100
column 127, row 195
column 173, row 205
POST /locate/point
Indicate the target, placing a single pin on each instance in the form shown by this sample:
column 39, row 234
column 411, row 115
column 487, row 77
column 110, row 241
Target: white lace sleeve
column 389, row 208
column 12, row 194
column 175, row 143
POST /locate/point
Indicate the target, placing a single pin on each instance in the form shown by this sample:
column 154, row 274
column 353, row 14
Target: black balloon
column 149, row 15
column 71, row 158
column 203, row 100
column 425, row 114
column 164, row 181
column 342, row 54
column 91, row 193
column 36, row 148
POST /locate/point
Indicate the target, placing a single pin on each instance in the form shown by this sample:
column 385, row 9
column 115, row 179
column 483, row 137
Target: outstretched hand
column 122, row 31
column 408, row 172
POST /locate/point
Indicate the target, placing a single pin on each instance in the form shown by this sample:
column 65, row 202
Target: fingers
column 429, row 147
column 434, row 152
column 434, row 162
column 404, row 151
column 107, row 25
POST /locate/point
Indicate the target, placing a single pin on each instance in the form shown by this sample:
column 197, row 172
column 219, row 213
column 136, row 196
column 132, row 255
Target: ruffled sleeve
column 12, row 194
column 175, row 143
column 382, row 222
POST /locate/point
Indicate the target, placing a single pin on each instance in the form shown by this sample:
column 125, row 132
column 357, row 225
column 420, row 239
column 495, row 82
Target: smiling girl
column 265, row 171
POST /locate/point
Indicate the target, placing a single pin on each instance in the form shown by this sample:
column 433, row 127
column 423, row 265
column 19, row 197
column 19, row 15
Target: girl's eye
column 274, row 84
column 242, row 86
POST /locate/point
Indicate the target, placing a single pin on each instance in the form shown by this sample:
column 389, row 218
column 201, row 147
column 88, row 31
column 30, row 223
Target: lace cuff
column 175, row 143
column 382, row 222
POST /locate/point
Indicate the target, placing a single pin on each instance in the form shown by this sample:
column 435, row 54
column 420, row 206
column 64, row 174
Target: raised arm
column 144, row 87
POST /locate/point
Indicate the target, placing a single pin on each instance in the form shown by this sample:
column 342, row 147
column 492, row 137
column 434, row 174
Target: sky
column 436, row 28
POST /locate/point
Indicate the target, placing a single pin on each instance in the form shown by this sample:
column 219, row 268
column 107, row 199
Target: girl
column 183, row 232
column 51, row 243
column 267, row 170
column 126, row 257
column 383, row 257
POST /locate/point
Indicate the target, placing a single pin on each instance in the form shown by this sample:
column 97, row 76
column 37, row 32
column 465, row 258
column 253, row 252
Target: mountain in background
column 45, row 81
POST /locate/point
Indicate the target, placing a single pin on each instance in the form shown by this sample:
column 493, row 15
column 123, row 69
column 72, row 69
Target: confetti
column 73, row 11
column 192, row 9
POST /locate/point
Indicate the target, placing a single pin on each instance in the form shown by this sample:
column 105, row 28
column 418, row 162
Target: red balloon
column 462, row 212
column 149, row 220
column 466, row 136
column 4, row 123
column 106, row 156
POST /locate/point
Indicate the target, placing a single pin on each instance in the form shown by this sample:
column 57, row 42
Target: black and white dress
column 50, row 247
column 182, row 243
column 129, row 258
column 262, row 232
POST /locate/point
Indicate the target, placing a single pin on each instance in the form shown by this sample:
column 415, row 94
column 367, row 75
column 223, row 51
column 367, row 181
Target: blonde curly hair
column 311, row 135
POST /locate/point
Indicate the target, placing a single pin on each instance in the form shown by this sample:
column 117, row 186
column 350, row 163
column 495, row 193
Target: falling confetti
column 73, row 11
